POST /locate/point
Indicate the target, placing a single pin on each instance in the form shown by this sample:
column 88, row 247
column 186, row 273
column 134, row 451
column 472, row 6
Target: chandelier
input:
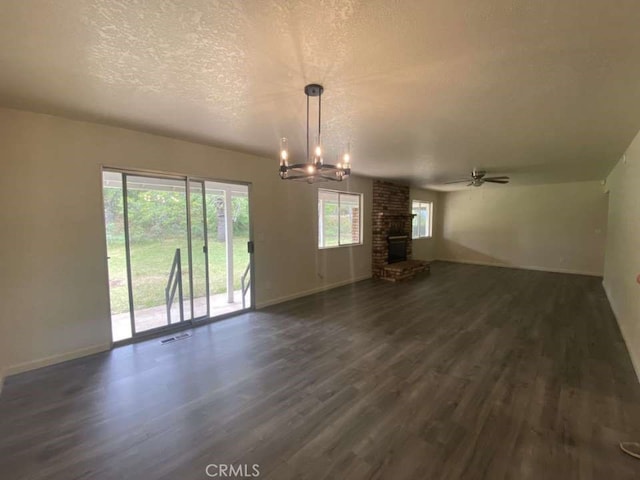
column 314, row 169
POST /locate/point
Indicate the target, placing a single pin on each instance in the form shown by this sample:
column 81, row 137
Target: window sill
column 341, row 246
column 422, row 238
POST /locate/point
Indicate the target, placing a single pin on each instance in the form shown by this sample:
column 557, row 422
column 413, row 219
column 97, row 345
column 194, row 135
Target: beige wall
column 425, row 248
column 559, row 227
column 622, row 262
column 55, row 298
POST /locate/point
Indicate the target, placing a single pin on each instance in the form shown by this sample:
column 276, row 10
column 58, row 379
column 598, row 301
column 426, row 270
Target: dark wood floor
column 471, row 372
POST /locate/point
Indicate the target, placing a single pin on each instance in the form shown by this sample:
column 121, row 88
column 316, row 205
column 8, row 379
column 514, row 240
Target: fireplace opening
column 397, row 248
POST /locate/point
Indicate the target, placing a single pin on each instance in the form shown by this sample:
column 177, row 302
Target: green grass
column 151, row 264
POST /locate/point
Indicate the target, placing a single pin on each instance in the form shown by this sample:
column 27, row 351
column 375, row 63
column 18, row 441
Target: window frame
column 320, row 222
column 429, row 230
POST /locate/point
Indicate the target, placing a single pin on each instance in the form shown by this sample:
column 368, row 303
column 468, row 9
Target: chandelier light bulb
column 284, row 151
column 346, row 158
column 311, row 169
column 318, row 151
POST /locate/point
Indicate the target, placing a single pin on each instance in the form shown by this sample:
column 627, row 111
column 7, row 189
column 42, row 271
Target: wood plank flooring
column 471, row 372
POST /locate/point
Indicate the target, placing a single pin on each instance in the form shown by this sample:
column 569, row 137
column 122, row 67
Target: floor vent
column 180, row 336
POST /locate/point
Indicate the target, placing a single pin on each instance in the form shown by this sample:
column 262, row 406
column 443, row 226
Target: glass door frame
column 192, row 321
column 205, row 221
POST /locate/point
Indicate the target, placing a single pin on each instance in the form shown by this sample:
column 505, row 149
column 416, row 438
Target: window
column 339, row 219
column 421, row 226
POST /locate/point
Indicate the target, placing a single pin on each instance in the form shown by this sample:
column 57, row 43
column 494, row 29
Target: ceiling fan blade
column 493, row 180
column 497, row 178
column 457, row 181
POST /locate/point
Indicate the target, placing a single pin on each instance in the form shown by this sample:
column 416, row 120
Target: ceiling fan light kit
column 314, row 169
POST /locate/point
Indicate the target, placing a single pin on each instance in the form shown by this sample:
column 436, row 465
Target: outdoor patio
column 155, row 317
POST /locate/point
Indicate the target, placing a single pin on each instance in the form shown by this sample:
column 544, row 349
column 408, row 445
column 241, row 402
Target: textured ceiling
column 543, row 90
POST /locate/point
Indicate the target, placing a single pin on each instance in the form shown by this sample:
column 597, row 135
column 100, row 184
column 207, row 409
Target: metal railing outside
column 174, row 282
column 245, row 284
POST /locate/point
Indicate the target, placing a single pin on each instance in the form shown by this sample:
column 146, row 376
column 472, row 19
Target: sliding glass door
column 200, row 249
column 229, row 239
column 114, row 219
column 177, row 248
column 156, row 214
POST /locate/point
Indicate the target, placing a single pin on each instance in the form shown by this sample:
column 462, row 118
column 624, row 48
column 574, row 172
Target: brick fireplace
column 392, row 228
column 391, row 217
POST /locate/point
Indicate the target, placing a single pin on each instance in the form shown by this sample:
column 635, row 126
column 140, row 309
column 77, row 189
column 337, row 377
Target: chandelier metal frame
column 314, row 169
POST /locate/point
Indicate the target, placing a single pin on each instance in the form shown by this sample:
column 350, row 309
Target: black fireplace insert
column 397, row 248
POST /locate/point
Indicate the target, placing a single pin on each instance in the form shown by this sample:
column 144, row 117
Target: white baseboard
column 53, row 359
column 523, row 267
column 634, row 362
column 311, row 291
column 62, row 357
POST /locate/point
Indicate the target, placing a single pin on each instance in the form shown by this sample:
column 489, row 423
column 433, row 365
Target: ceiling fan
column 478, row 178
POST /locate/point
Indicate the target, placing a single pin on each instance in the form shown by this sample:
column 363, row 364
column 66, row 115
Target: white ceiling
column 542, row 90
